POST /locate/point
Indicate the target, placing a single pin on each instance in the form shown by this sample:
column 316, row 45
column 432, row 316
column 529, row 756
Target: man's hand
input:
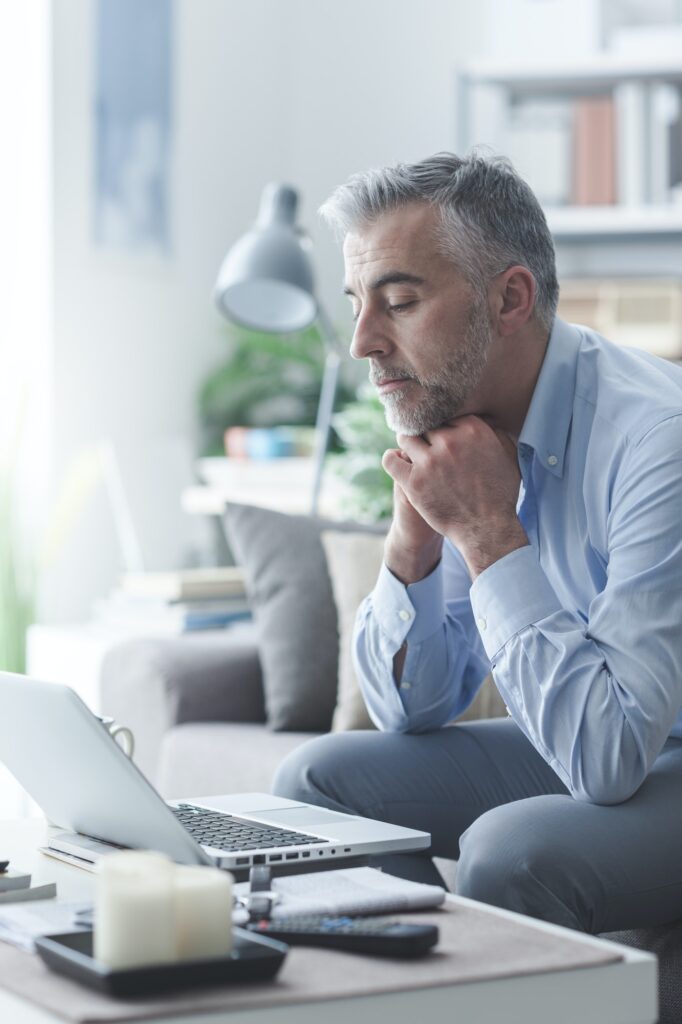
column 462, row 481
column 413, row 548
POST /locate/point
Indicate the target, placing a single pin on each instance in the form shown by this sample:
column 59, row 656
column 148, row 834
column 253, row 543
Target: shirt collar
column 548, row 420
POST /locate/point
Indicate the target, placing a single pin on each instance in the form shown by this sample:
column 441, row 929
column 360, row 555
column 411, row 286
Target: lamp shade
column 266, row 279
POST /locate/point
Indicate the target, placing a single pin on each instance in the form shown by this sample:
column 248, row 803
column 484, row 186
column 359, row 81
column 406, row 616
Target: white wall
column 371, row 84
column 303, row 90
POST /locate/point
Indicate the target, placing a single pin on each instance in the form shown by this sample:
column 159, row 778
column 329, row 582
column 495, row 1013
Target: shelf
column 614, row 221
column 598, row 72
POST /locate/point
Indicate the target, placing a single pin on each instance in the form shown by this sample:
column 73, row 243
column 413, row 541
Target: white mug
column 126, row 741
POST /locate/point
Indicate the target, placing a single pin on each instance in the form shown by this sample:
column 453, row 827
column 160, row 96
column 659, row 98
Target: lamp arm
column 325, row 406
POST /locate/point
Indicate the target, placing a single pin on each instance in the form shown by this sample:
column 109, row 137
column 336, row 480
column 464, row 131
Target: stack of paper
column 21, row 925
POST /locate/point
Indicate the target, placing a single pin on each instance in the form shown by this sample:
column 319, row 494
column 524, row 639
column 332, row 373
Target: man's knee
column 513, row 857
column 315, row 772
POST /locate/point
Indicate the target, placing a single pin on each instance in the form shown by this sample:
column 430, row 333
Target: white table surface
column 617, row 993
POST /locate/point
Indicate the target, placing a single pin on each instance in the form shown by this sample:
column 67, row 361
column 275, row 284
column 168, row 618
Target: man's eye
column 399, row 307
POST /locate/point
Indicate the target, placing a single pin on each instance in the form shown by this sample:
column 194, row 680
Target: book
column 186, row 584
column 539, row 146
column 169, row 617
column 632, row 142
column 664, row 138
column 349, row 891
column 594, row 158
column 10, row 880
column 37, row 892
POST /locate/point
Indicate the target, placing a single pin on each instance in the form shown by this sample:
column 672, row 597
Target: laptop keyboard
column 225, row 832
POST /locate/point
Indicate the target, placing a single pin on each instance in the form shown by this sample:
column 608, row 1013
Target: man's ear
column 512, row 298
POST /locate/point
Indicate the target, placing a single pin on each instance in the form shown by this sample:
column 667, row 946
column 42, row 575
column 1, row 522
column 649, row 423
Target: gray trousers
column 523, row 843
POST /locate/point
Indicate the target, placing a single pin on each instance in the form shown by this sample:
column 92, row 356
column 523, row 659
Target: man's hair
column 490, row 218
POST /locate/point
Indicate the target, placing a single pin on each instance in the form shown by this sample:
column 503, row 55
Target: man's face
column 423, row 328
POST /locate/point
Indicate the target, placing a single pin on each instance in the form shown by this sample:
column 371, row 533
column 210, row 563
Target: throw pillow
column 353, row 561
column 293, row 607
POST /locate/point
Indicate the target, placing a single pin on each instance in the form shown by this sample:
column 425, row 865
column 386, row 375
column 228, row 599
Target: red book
column 594, row 157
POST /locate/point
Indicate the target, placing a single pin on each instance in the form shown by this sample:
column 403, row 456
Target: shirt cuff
column 509, row 595
column 409, row 613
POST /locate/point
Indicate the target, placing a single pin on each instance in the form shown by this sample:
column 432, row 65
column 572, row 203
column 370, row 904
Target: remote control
column 380, row 936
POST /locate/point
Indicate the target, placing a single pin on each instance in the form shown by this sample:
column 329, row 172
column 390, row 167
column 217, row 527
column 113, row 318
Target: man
column 537, row 534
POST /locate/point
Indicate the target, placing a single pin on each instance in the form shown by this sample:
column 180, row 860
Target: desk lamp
column 266, row 283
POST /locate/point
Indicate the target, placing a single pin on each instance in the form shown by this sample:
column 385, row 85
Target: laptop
column 84, row 782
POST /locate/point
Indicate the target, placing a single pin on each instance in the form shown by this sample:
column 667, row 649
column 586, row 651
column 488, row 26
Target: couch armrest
column 153, row 684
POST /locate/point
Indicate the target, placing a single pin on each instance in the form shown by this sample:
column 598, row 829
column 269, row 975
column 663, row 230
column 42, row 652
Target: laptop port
column 259, row 858
column 333, row 851
column 346, row 849
column 243, row 860
column 274, row 857
column 306, row 853
column 292, row 856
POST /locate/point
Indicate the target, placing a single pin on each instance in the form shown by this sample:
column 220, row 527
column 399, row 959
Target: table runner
column 475, row 945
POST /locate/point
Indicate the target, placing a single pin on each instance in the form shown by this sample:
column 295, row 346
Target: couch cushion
column 665, row 941
column 290, row 592
column 353, row 561
column 199, row 759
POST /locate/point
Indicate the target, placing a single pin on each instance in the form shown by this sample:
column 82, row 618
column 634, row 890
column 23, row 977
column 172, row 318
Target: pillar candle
column 134, row 909
column 203, row 912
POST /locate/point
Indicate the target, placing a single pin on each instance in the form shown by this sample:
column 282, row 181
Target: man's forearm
column 409, row 565
column 489, row 546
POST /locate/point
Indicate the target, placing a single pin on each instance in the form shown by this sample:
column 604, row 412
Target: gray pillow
column 293, row 606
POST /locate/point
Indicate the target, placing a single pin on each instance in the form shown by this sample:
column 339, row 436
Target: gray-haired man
column 537, row 533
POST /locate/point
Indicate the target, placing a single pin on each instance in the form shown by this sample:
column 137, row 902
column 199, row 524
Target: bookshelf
column 600, row 71
column 645, row 220
column 532, row 113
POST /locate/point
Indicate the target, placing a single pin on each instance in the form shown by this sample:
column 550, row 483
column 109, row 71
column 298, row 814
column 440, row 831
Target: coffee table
column 622, row 992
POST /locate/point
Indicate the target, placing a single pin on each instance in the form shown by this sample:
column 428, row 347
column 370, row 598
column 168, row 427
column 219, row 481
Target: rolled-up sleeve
column 445, row 661
column 598, row 696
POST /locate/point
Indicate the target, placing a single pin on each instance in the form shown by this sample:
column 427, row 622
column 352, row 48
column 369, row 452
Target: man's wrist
column 410, row 566
column 485, row 548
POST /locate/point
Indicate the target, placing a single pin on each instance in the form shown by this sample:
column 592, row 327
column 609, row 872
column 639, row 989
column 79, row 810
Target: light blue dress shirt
column 582, row 629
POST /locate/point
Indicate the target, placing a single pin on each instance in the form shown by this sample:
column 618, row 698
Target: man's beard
column 446, row 391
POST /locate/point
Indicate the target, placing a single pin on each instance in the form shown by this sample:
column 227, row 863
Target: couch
column 205, row 708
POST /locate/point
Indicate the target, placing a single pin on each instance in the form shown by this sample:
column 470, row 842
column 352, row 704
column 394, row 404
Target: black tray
column 253, row 958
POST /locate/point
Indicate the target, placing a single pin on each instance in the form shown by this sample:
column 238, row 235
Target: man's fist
column 463, row 482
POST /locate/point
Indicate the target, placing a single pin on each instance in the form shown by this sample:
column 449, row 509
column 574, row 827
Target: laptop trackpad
column 300, row 817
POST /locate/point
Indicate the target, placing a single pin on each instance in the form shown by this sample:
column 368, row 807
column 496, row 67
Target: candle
column 134, row 909
column 203, row 912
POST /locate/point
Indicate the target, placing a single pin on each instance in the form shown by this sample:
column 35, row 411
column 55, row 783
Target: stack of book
column 644, row 313
column 179, row 601
column 15, row 887
column 621, row 146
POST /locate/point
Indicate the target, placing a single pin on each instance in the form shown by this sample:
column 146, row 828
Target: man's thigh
column 439, row 782
column 589, row 866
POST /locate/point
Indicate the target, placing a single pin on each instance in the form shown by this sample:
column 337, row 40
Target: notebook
column 349, row 891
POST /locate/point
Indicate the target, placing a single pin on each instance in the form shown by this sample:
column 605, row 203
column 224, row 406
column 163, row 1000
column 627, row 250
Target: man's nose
column 368, row 338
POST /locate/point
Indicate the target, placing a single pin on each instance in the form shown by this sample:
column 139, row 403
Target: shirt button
column 482, row 624
column 404, row 615
column 405, row 685
column 552, row 460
